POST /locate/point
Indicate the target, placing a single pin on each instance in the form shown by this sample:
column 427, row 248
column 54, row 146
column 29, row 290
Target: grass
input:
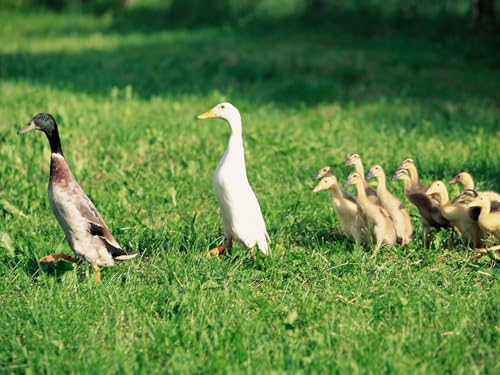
column 125, row 99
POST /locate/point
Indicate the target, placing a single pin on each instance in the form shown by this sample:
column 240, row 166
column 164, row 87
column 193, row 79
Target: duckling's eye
column 222, row 106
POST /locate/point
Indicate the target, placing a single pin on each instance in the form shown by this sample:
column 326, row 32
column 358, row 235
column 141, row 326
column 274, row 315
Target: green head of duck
column 45, row 122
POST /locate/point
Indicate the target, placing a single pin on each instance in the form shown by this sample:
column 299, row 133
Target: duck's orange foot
column 215, row 252
column 55, row 257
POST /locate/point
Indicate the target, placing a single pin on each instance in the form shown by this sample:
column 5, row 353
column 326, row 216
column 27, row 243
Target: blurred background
column 477, row 14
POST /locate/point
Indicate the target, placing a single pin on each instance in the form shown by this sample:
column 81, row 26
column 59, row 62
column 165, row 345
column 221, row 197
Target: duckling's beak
column 430, row 192
column 453, row 180
column 395, row 177
column 348, row 162
column 317, row 188
column 208, row 114
column 347, row 183
column 29, row 127
column 369, row 175
column 318, row 176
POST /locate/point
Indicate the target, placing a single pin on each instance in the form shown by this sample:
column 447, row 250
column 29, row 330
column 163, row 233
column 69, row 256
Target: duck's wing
column 474, row 213
column 97, row 226
column 423, row 203
column 495, row 206
column 385, row 213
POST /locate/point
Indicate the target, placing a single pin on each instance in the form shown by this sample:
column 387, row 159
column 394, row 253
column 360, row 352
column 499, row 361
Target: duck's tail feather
column 125, row 257
column 263, row 245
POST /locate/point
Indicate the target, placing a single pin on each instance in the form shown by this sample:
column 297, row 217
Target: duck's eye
column 222, row 106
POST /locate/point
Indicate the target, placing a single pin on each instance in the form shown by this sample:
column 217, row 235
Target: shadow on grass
column 351, row 58
column 55, row 270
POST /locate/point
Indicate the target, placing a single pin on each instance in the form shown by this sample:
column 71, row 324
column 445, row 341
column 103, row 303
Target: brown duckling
column 399, row 214
column 411, row 167
column 383, row 227
column 355, row 161
column 345, row 206
column 466, row 180
column 458, row 214
column 427, row 207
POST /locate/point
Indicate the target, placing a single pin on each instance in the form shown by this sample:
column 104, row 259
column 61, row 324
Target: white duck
column 241, row 215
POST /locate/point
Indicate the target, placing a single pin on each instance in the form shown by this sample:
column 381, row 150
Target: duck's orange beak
column 208, row 114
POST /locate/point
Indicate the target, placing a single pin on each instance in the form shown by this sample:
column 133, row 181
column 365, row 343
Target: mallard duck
column 241, row 215
column 355, row 161
column 87, row 234
column 466, row 180
column 399, row 214
column 461, row 216
column 345, row 206
column 383, row 227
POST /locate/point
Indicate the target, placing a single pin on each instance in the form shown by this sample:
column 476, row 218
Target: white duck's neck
column 234, row 151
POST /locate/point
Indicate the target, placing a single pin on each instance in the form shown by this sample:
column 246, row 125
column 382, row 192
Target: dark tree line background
column 479, row 14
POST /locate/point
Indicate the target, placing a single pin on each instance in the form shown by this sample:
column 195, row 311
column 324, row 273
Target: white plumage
column 240, row 211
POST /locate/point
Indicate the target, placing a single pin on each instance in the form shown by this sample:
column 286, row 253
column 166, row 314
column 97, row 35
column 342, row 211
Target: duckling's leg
column 376, row 251
column 220, row 249
column 426, row 230
column 55, row 257
column 97, row 272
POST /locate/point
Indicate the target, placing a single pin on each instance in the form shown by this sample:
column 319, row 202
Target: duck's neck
column 234, row 149
column 443, row 195
column 468, row 182
column 361, row 191
column 407, row 184
column 485, row 210
column 54, row 140
column 358, row 167
column 381, row 185
column 412, row 171
column 335, row 191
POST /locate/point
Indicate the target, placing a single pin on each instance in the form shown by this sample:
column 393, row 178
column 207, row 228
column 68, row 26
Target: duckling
column 469, row 195
column 411, row 167
column 324, row 172
column 346, row 208
column 383, row 227
column 355, row 161
column 488, row 220
column 241, row 215
column 327, row 171
column 428, row 207
column 466, row 180
column 458, row 214
column 399, row 214
column 87, row 234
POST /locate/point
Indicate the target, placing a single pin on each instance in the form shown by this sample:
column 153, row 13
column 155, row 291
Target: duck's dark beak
column 29, row 127
column 369, row 176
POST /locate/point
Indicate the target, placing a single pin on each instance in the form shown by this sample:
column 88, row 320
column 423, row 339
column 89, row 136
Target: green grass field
column 125, row 98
